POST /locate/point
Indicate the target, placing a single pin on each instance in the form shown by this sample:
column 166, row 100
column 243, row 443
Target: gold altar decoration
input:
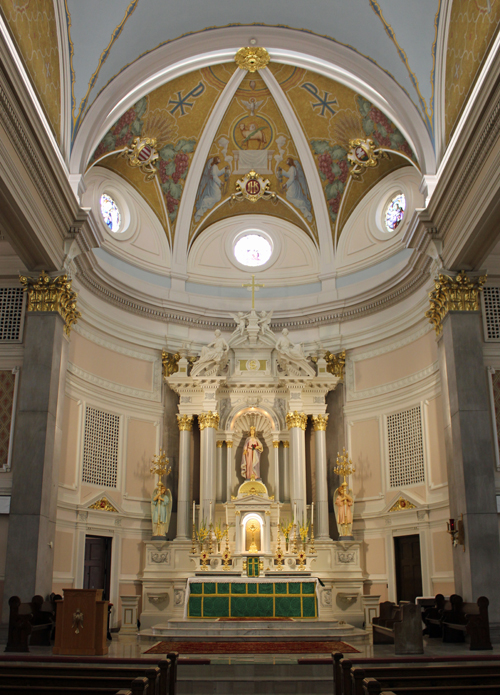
column 170, row 362
column 52, row 294
column 319, row 422
column 253, row 286
column 459, row 293
column 252, row 487
column 286, row 528
column 296, row 419
column 402, row 505
column 312, row 549
column 344, row 468
column 185, row 423
column 253, row 527
column 201, row 534
column 143, row 153
column 335, row 364
column 253, row 187
column 304, row 532
column 279, row 553
column 208, row 420
column 363, row 154
column 301, row 557
column 104, row 505
column 294, row 546
column 252, row 58
column 204, row 557
column 226, row 555
column 219, row 533
column 160, row 465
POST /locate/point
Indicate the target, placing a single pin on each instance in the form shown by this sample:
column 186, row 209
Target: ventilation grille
column 491, row 297
column 100, row 447
column 406, row 451
column 7, row 384
column 11, row 313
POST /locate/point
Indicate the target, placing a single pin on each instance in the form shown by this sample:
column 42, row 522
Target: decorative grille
column 491, row 298
column 100, row 447
column 7, row 385
column 406, row 451
column 11, row 313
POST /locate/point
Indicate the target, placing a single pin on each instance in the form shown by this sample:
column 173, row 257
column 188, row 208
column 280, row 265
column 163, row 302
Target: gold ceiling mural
column 33, row 26
column 473, row 24
column 253, row 136
column 332, row 117
column 165, row 127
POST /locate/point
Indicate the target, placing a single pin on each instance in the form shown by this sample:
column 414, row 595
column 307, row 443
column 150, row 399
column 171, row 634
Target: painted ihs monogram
column 324, row 103
column 182, row 102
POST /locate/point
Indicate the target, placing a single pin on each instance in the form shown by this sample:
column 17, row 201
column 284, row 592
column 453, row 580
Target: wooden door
column 408, row 567
column 97, row 567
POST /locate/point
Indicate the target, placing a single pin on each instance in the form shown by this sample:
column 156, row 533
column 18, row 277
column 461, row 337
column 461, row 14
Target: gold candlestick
column 312, row 549
column 226, row 555
column 279, row 553
column 294, row 547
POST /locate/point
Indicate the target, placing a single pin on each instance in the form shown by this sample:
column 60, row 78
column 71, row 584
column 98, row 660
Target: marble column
column 208, row 423
column 184, row 531
column 219, row 492
column 286, row 472
column 297, row 423
column 321, row 523
column 229, row 469
column 38, row 438
column 276, row 469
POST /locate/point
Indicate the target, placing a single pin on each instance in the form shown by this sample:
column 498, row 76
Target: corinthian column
column 297, row 423
column 220, row 472
column 229, row 468
column 276, row 468
column 286, row 472
column 208, row 423
column 321, row 523
column 185, row 424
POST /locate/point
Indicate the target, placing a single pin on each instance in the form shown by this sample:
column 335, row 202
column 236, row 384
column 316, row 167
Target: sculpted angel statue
column 161, row 510
column 265, row 322
column 241, row 321
column 343, row 502
column 215, row 352
column 250, row 462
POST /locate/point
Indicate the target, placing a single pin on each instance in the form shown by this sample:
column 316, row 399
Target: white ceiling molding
column 440, row 79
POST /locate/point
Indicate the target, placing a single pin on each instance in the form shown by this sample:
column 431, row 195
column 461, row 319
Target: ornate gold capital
column 319, row 422
column 276, row 444
column 459, row 293
column 286, row 445
column 208, row 420
column 220, row 443
column 335, row 364
column 229, row 444
column 185, row 422
column 52, row 294
column 296, row 419
column 252, row 58
column 170, row 362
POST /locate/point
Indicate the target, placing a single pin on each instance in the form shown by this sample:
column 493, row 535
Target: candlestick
column 312, row 513
column 194, row 513
column 295, row 512
column 210, row 513
column 227, row 516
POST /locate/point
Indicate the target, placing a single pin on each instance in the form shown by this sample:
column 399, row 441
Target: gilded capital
column 252, row 58
column 52, row 294
column 319, row 422
column 276, row 444
column 459, row 293
column 208, row 420
column 286, row 445
column 229, row 444
column 335, row 364
column 296, row 419
column 220, row 443
column 185, row 422
column 170, row 362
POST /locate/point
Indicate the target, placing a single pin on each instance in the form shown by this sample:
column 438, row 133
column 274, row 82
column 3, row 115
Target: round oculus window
column 110, row 213
column 395, row 212
column 252, row 250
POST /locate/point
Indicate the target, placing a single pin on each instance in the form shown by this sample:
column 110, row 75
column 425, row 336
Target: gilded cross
column 253, row 287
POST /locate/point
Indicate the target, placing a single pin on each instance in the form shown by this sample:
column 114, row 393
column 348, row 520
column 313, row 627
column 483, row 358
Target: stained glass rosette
column 395, row 212
column 110, row 213
column 252, row 250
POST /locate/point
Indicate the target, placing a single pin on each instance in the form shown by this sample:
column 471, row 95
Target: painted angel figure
column 161, row 510
column 297, row 191
column 210, row 188
column 250, row 462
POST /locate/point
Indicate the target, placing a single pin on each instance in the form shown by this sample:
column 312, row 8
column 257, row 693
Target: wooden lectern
column 81, row 620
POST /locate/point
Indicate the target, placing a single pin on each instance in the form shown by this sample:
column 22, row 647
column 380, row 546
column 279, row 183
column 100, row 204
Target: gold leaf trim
column 52, row 294
column 208, row 420
column 296, row 419
column 185, row 423
column 459, row 293
column 103, row 505
column 252, row 58
column 402, row 505
column 170, row 362
column 335, row 364
column 319, row 422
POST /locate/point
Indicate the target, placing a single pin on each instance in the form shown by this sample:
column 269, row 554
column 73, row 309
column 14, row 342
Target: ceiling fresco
column 253, row 136
column 33, row 26
column 473, row 24
column 175, row 115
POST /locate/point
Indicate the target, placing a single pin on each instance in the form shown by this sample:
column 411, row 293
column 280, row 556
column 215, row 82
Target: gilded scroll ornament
column 104, row 505
column 252, row 58
column 362, row 155
column 208, row 420
column 296, row 419
column 143, row 153
column 170, row 362
column 335, row 364
column 402, row 505
column 319, row 422
column 52, row 294
column 459, row 293
column 185, row 423
column 253, row 187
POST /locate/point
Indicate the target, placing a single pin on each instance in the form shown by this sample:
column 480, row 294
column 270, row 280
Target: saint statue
column 161, row 510
column 344, row 501
column 250, row 462
column 213, row 355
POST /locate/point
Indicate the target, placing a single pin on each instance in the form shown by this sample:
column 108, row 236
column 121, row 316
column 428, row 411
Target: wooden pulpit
column 81, row 620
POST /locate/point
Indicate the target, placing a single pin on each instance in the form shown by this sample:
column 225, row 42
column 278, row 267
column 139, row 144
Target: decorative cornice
column 103, row 505
column 170, row 363
column 402, row 505
column 459, row 293
column 319, row 422
column 185, row 423
column 296, row 419
column 48, row 294
column 391, row 386
column 208, row 420
column 154, row 395
column 335, row 364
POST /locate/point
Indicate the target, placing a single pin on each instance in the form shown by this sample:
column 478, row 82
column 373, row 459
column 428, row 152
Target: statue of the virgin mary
column 250, row 462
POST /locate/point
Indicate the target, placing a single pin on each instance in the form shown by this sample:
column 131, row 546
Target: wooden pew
column 29, row 623
column 372, row 687
column 405, row 632
column 139, row 686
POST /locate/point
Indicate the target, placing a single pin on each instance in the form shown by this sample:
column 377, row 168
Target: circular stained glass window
column 252, row 250
column 110, row 213
column 395, row 212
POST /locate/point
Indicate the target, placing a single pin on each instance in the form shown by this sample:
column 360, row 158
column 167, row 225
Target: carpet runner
column 323, row 647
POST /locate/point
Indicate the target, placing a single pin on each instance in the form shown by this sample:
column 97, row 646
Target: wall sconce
column 456, row 531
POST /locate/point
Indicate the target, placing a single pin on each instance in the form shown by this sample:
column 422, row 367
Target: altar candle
column 227, row 517
column 210, row 515
column 278, row 516
column 295, row 512
column 312, row 513
column 194, row 513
